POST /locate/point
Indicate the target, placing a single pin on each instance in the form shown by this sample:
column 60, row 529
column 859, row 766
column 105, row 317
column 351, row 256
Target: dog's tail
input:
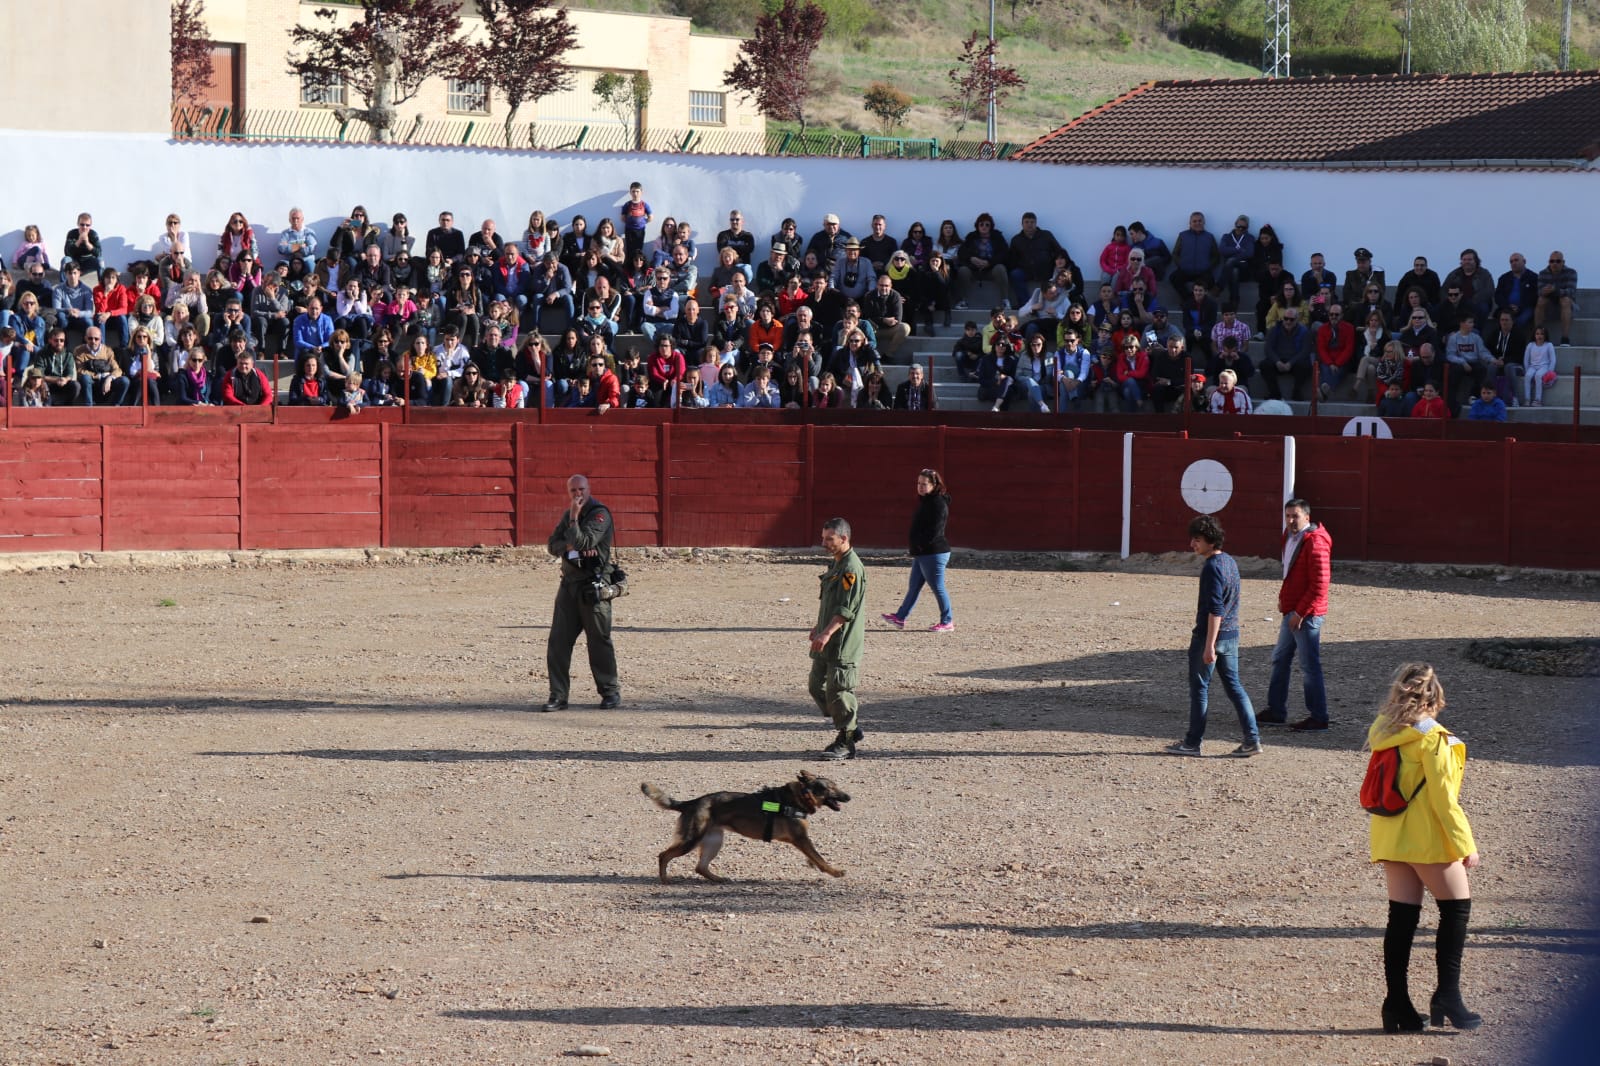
column 661, row 799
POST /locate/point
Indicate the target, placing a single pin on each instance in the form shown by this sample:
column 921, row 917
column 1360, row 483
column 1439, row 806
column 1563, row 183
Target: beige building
column 133, row 96
column 686, row 72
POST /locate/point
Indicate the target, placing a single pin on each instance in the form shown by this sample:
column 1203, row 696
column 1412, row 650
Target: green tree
column 889, row 105
column 1461, row 36
column 626, row 96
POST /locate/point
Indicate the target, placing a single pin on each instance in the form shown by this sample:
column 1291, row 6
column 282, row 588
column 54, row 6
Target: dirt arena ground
column 298, row 814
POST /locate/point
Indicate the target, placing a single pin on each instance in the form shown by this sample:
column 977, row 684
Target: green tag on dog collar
column 771, row 807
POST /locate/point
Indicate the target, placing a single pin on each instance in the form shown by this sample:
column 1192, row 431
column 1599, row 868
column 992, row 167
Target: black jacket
column 927, row 525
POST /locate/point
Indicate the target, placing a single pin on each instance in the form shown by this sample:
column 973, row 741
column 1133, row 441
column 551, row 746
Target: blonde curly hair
column 1414, row 694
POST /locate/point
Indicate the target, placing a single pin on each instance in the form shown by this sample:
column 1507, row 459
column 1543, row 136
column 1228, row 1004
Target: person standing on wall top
column 1303, row 601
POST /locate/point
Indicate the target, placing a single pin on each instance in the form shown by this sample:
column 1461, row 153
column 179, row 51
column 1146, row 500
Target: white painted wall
column 1398, row 215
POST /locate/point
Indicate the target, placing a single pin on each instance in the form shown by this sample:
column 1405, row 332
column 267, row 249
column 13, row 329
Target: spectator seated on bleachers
column 1477, row 284
column 1287, row 356
column 1381, row 369
column 1229, row 397
column 982, row 257
column 1427, row 369
column 1195, row 255
column 1430, row 404
column 1157, row 256
column 1488, row 407
column 1467, row 357
column 1558, row 291
column 826, row 246
column 1361, row 282
column 1517, row 291
column 1231, row 356
column 1336, row 350
column 1031, row 258
column 1421, row 278
column 884, row 311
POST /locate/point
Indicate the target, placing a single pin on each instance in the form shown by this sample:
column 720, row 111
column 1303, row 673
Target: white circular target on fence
column 1207, row 486
column 1368, row 426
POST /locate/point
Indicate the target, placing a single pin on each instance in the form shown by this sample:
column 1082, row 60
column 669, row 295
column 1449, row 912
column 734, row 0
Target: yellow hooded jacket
column 1433, row 827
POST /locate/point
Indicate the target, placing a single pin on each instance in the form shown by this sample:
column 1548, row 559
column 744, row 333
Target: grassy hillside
column 1075, row 54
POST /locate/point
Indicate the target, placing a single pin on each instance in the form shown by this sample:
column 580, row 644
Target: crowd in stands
column 375, row 315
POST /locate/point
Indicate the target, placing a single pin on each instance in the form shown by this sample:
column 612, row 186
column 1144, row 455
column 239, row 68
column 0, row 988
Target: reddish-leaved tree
column 385, row 55
column 522, row 56
column 974, row 74
column 191, row 52
column 774, row 66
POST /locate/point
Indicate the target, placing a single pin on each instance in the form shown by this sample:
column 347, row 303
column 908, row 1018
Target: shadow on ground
column 853, row 1016
column 1139, row 695
column 1560, row 941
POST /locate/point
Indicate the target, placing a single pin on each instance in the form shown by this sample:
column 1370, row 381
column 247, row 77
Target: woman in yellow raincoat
column 1428, row 846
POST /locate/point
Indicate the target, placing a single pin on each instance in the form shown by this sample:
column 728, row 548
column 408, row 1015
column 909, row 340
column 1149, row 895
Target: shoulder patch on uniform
column 849, row 580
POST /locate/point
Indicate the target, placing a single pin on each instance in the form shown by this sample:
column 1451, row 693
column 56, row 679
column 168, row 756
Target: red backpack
column 1380, row 789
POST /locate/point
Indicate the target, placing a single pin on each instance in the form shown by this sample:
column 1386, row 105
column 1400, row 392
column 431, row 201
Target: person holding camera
column 582, row 541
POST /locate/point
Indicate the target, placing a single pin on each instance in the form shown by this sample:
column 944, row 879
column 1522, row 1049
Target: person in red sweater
column 605, row 392
column 246, row 386
column 1132, row 370
column 1336, row 349
column 1303, row 602
column 1430, row 404
column 666, row 369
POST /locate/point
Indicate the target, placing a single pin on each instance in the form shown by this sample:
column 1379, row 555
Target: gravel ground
column 298, row 814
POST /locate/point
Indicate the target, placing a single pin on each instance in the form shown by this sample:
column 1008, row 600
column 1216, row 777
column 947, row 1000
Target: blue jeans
column 1021, row 286
column 927, row 570
column 533, row 316
column 1227, row 667
column 1307, row 643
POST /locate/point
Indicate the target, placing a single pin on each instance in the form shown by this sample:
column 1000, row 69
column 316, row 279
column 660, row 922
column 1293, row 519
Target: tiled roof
column 1544, row 115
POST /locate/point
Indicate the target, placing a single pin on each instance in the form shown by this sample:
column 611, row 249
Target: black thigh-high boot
column 1446, row 1002
column 1399, row 1016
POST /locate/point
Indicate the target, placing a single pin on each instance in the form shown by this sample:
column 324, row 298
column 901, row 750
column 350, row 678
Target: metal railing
column 322, row 125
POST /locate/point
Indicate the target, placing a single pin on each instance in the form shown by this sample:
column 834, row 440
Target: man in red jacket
column 1303, row 601
column 605, row 390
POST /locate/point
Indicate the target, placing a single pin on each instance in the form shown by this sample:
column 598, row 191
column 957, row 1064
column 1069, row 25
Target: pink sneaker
column 894, row 620
column 942, row 627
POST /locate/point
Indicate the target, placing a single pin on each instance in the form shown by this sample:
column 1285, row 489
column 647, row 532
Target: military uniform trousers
column 833, row 687
column 573, row 616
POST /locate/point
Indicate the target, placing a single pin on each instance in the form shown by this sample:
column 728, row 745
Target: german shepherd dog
column 775, row 813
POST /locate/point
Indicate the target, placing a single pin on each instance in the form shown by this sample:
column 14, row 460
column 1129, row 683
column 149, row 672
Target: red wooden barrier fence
column 221, row 483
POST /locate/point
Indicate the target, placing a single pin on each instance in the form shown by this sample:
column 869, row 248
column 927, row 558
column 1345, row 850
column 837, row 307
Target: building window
column 329, row 95
column 708, row 109
column 469, row 96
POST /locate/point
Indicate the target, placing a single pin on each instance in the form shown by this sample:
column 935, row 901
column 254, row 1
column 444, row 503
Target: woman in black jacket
column 930, row 552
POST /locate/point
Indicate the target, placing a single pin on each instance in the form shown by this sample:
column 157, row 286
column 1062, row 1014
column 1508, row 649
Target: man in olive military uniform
column 582, row 541
column 836, row 641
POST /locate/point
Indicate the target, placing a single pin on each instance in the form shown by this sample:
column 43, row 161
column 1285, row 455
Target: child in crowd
column 380, row 387
column 350, row 397
column 1228, row 398
column 636, row 218
column 510, row 392
column 578, row 395
column 968, row 351
column 396, row 312
column 1488, row 407
column 1393, row 404
column 1539, row 363
column 1430, row 404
